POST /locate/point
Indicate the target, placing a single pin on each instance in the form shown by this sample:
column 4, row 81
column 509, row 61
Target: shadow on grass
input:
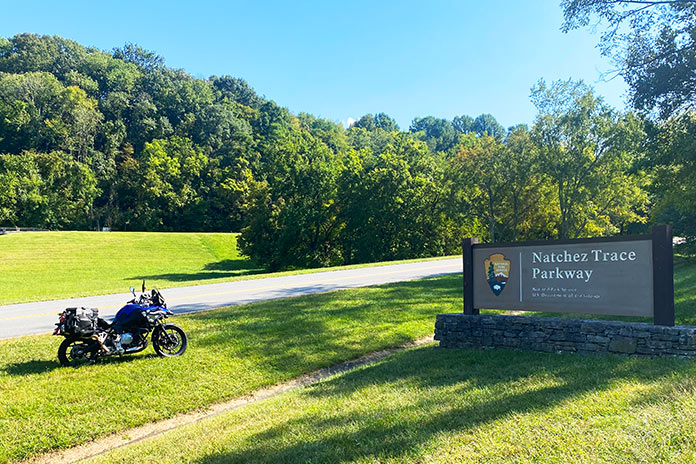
column 43, row 366
column 495, row 385
column 31, row 367
column 233, row 265
column 231, row 351
column 218, row 270
column 319, row 330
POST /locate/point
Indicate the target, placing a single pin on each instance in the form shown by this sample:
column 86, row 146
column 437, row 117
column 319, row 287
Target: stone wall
column 564, row 335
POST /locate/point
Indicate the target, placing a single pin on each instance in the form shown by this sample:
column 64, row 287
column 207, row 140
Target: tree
column 83, row 117
column 438, row 133
column 45, row 190
column 588, row 152
column 327, row 131
column 524, row 185
column 291, row 218
column 385, row 122
column 146, row 60
column 171, row 185
column 237, row 90
column 104, row 108
column 38, row 113
column 41, row 53
column 499, row 183
column 111, row 74
column 481, row 163
column 674, row 186
column 394, row 204
column 374, row 141
column 463, row 124
column 380, row 121
column 653, row 44
column 487, row 124
column 366, row 122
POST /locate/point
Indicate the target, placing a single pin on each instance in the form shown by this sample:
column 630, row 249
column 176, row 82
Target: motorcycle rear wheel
column 169, row 340
column 73, row 352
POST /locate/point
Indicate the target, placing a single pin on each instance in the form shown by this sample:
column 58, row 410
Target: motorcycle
column 89, row 337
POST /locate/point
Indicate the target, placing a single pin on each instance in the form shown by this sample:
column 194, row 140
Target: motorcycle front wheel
column 74, row 352
column 169, row 340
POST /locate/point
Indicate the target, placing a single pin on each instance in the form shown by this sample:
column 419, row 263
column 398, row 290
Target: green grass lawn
column 232, row 351
column 45, row 265
column 457, row 406
column 461, row 406
column 480, row 406
column 41, row 266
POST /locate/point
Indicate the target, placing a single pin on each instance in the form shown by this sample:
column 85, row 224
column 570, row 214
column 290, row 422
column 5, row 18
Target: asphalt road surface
column 35, row 318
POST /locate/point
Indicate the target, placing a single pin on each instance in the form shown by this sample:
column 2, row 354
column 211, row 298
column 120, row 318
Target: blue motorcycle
column 89, row 337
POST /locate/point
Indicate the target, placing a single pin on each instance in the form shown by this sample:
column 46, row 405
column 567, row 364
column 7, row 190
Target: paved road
column 35, row 318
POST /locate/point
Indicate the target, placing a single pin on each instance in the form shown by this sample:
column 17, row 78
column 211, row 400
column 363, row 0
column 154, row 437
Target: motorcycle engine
column 126, row 339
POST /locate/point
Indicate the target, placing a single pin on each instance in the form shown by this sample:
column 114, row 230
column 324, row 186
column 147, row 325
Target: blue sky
column 340, row 60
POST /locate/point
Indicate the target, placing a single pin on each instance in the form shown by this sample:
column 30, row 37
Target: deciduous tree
column 588, row 151
column 653, row 44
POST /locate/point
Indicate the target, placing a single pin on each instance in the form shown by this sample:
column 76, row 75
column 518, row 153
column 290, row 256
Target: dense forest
column 92, row 139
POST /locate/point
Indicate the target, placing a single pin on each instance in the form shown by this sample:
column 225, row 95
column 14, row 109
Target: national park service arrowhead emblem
column 497, row 272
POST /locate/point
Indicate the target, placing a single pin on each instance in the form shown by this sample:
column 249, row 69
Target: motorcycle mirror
column 132, row 290
column 143, row 286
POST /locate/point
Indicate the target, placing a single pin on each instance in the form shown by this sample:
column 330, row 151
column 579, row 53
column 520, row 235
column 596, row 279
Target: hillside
column 45, row 265
column 92, row 138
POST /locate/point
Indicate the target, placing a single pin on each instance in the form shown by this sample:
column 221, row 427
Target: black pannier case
column 81, row 321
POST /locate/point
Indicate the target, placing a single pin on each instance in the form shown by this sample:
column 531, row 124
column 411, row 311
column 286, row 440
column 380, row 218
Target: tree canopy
column 90, row 138
column 653, row 44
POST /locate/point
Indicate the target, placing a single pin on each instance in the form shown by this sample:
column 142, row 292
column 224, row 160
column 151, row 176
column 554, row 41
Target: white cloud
column 350, row 122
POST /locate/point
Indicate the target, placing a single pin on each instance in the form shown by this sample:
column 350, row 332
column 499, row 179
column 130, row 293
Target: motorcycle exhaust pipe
column 100, row 337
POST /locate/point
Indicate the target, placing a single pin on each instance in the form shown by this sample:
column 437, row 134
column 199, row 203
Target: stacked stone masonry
column 564, row 335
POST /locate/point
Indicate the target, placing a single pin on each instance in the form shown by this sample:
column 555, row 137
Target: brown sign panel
column 579, row 276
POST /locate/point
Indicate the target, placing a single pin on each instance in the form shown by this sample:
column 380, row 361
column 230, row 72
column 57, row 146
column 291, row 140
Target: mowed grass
column 457, row 406
column 454, row 406
column 39, row 266
column 424, row 405
column 232, row 352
